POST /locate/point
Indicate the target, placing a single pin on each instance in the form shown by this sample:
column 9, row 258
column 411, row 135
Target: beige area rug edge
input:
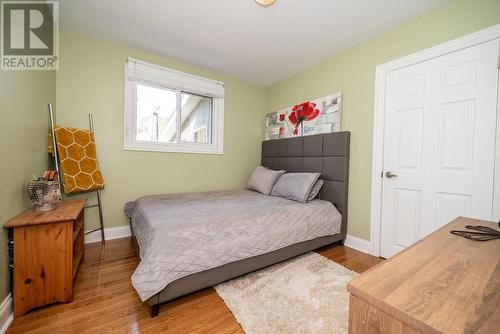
column 306, row 294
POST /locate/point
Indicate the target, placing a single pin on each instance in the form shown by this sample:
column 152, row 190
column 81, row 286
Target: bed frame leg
column 341, row 242
column 155, row 310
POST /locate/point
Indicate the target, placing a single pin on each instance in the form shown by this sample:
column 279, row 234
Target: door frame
column 381, row 72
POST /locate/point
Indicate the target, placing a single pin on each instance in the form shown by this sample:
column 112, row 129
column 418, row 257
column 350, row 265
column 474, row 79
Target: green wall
column 91, row 79
column 353, row 73
column 24, row 96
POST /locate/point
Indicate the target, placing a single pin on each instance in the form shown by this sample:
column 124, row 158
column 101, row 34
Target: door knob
column 390, row 175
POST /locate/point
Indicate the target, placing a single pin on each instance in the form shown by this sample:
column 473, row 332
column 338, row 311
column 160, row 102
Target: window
column 171, row 111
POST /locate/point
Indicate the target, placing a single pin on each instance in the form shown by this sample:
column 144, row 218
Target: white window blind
column 145, row 72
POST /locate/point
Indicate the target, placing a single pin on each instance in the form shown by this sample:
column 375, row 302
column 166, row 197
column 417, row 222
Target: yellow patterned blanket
column 77, row 159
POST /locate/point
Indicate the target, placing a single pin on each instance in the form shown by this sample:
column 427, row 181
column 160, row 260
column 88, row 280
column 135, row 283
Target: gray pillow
column 263, row 179
column 315, row 190
column 295, row 186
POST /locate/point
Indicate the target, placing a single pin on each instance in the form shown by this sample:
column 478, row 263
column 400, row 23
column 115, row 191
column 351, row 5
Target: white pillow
column 263, row 179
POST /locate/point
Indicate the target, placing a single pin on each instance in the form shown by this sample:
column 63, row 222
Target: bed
column 187, row 242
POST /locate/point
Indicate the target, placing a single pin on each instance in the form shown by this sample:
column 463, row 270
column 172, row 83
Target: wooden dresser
column 48, row 248
column 442, row 284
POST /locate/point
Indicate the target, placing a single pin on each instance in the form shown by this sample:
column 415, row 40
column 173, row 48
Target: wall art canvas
column 313, row 117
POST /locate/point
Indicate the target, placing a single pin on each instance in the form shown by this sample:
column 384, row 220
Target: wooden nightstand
column 48, row 249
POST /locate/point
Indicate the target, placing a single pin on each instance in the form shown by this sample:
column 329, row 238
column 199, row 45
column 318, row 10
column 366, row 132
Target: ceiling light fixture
column 265, row 3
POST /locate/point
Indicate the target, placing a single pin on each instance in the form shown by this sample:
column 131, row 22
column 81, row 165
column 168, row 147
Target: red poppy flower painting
column 302, row 112
column 322, row 115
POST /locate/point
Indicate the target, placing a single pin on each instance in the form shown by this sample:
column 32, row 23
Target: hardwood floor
column 106, row 302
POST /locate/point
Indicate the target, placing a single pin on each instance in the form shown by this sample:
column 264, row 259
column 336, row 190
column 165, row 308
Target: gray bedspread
column 182, row 234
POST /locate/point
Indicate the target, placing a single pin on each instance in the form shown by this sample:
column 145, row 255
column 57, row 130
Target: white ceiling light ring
column 265, row 3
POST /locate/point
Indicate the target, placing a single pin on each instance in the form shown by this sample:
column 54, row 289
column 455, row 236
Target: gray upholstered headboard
column 327, row 154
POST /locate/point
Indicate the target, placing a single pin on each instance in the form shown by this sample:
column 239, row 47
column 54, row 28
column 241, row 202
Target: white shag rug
column 307, row 294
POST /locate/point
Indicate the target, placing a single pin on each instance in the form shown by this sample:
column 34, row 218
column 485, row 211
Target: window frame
column 130, row 143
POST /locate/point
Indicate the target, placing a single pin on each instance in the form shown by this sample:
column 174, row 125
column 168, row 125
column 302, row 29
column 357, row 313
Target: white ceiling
column 262, row 45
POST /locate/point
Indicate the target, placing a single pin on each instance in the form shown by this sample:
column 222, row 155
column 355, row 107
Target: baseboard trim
column 109, row 234
column 6, row 314
column 359, row 244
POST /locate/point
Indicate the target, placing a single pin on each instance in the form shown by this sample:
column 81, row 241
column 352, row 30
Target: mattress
column 182, row 234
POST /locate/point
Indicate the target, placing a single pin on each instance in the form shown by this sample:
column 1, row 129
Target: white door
column 439, row 144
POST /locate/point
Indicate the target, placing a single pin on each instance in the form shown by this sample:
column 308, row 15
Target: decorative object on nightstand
column 44, row 191
column 47, row 250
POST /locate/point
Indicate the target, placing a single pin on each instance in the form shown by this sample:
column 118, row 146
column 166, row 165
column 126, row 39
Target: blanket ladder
column 56, row 163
